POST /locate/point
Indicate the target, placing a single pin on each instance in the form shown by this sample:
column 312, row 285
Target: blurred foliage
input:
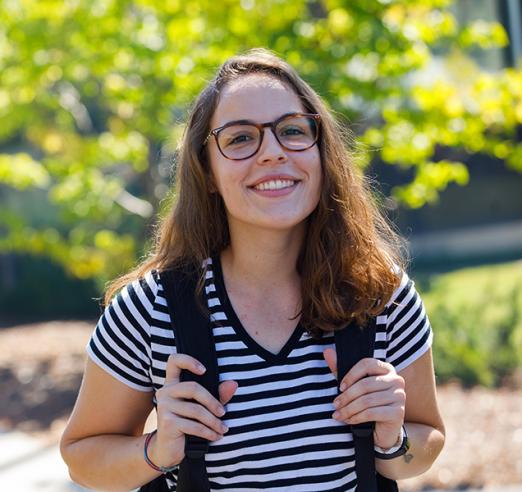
column 476, row 314
column 53, row 292
column 93, row 94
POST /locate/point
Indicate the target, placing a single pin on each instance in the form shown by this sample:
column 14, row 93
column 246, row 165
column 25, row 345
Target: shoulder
column 407, row 328
column 405, row 288
column 135, row 303
column 405, row 301
column 145, row 288
column 121, row 341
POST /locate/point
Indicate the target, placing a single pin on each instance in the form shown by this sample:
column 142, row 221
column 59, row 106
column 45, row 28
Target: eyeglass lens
column 243, row 140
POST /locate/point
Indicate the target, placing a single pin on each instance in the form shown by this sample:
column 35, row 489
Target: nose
column 271, row 151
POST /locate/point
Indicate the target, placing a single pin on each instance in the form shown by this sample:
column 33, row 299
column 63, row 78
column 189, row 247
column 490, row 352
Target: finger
column 190, row 390
column 195, row 428
column 363, row 368
column 364, row 386
column 330, row 356
column 177, row 362
column 199, row 413
column 388, row 413
column 226, row 391
column 365, row 402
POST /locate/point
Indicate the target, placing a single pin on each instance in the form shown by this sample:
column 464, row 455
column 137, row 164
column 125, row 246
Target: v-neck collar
column 238, row 327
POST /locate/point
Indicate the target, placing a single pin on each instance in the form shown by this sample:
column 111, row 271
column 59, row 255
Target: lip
column 273, row 177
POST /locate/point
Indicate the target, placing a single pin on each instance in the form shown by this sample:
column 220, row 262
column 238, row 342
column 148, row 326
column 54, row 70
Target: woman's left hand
column 371, row 391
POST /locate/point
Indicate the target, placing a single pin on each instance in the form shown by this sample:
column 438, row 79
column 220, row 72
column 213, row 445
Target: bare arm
column 373, row 391
column 422, row 420
column 103, row 442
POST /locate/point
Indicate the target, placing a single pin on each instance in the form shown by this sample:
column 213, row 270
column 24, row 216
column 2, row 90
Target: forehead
column 260, row 98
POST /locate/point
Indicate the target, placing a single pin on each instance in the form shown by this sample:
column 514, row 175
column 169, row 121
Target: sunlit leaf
column 22, row 171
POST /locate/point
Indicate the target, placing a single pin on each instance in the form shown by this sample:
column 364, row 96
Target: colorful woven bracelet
column 161, row 469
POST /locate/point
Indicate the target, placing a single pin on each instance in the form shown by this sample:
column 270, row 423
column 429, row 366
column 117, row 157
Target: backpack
column 352, row 344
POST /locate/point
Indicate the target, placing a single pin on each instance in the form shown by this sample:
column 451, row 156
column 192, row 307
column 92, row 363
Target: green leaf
column 22, row 171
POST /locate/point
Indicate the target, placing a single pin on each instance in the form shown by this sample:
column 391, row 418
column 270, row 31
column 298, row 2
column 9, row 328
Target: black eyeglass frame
column 261, row 127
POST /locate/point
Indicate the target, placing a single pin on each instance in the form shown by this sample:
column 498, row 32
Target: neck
column 265, row 258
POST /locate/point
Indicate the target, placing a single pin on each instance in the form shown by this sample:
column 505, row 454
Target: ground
column 40, row 373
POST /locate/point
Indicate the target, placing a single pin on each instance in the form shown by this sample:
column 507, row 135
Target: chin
column 283, row 224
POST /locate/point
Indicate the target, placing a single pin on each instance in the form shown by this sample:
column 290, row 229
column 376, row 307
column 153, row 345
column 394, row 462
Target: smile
column 275, row 184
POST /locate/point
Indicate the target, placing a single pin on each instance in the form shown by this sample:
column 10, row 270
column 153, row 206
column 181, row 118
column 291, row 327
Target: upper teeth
column 275, row 184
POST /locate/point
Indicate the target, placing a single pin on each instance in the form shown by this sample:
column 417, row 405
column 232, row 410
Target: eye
column 292, row 130
column 237, row 135
column 239, row 139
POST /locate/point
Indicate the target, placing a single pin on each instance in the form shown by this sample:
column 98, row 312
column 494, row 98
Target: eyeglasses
column 239, row 140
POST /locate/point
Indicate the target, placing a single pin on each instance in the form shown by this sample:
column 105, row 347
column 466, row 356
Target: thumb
column 177, row 362
column 226, row 391
column 330, row 356
column 173, row 370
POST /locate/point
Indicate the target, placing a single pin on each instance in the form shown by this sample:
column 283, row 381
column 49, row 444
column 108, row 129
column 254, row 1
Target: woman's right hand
column 186, row 408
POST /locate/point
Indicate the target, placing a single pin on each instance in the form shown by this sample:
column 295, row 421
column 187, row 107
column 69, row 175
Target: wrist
column 150, row 455
column 398, row 449
column 386, row 444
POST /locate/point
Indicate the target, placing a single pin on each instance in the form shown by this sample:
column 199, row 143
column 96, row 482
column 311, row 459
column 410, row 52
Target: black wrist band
column 403, row 448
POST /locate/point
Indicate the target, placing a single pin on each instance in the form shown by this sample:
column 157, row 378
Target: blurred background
column 93, row 99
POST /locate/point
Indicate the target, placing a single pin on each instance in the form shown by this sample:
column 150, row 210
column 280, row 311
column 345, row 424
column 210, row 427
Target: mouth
column 274, row 185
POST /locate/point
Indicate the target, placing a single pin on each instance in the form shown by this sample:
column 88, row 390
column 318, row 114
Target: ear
column 205, row 165
column 211, row 184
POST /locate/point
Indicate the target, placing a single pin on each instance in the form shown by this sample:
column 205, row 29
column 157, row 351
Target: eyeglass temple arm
column 206, row 139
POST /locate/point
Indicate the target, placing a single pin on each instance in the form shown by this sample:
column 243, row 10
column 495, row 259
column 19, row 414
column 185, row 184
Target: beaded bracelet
column 162, row 469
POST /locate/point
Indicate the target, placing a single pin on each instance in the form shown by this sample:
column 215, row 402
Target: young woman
column 288, row 245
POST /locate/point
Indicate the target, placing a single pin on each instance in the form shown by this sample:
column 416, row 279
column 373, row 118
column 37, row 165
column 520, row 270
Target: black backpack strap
column 159, row 484
column 352, row 344
column 193, row 337
column 386, row 485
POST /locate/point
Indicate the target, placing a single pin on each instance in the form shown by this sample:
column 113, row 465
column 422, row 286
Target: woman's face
column 275, row 188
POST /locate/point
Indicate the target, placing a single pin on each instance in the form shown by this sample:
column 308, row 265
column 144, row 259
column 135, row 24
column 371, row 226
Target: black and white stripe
column 281, row 435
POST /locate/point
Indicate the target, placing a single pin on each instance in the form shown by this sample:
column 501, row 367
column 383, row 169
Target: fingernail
column 201, row 368
column 343, row 386
column 336, row 403
column 221, row 411
column 224, row 428
column 336, row 415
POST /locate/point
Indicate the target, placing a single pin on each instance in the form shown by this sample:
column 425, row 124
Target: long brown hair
column 349, row 257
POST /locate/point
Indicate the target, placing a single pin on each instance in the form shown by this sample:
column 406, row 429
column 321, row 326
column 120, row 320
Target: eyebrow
column 246, row 122
column 237, row 122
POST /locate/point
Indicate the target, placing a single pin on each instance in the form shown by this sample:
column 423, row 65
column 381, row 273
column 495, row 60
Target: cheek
column 318, row 179
column 225, row 181
column 316, row 169
column 217, row 177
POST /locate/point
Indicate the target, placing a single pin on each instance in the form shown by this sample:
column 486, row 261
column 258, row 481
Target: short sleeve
column 408, row 330
column 120, row 343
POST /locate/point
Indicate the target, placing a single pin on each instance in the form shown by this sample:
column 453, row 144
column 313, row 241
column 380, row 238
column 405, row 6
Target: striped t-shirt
column 281, row 433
